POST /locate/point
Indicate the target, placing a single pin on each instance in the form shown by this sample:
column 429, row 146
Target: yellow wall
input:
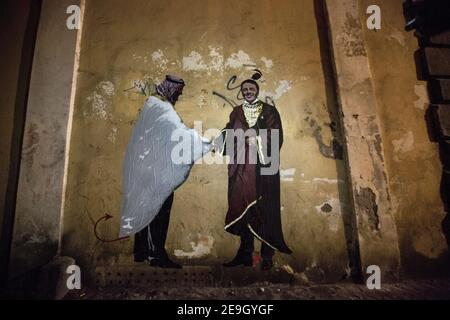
column 413, row 165
column 205, row 42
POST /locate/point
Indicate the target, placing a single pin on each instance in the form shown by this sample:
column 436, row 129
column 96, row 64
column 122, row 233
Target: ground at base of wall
column 435, row 289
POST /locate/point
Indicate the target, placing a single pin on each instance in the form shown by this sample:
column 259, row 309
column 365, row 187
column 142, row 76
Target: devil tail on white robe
column 156, row 163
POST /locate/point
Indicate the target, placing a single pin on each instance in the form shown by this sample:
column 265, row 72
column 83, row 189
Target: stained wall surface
column 37, row 223
column 206, row 43
column 412, row 161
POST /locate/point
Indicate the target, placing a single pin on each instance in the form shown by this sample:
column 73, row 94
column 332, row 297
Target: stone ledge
column 440, row 90
column 436, row 61
column 441, row 119
column 143, row 275
column 442, row 39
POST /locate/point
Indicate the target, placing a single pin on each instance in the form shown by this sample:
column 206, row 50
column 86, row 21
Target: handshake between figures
column 218, row 142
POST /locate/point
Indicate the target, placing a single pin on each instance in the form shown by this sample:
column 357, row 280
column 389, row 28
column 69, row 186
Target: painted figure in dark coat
column 254, row 195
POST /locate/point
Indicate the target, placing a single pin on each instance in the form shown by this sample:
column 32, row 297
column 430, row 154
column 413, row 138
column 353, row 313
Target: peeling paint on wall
column 216, row 59
column 421, row 92
column 287, row 174
column 366, row 200
column 100, row 99
column 140, row 58
column 194, row 62
column 283, row 87
column 200, row 249
column 217, row 63
column 238, row 60
column 214, row 64
column 202, row 102
column 112, row 135
column 351, row 38
column 322, row 180
column 159, row 60
column 403, row 145
column 267, row 62
column 107, row 87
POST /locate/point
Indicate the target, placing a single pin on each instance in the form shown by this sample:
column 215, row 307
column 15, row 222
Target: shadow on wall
column 427, row 17
column 444, row 150
column 21, row 19
column 348, row 216
column 431, row 21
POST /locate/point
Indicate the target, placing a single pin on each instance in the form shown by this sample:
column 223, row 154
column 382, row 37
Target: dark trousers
column 151, row 241
column 247, row 245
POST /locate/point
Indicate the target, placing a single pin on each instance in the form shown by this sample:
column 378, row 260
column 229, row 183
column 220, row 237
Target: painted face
column 250, row 92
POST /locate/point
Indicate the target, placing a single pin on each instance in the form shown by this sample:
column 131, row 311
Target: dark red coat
column 254, row 199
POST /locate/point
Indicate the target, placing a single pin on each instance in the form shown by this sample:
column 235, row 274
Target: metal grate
column 189, row 276
column 137, row 276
